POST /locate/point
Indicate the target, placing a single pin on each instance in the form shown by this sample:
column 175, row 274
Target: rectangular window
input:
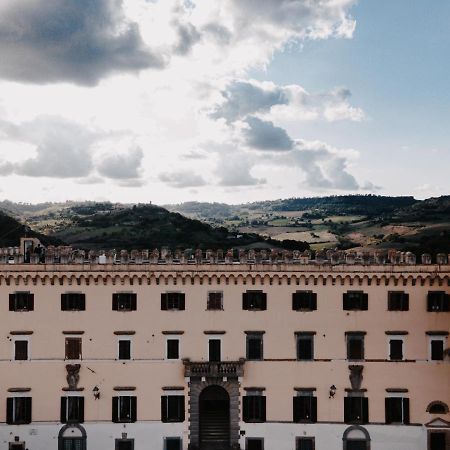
column 356, row 409
column 72, row 409
column 73, row 301
column 438, row 440
column 355, row 301
column 124, row 301
column 124, row 444
column 173, row 349
column 173, row 443
column 304, row 301
column 305, row 443
column 438, row 301
column 254, row 301
column 172, row 408
column 305, row 346
column 124, row 349
column 73, row 348
column 255, row 346
column 398, row 301
column 16, row 446
column 21, row 301
column 215, row 301
column 173, row 301
column 254, row 444
column 305, row 407
column 21, row 350
column 397, row 410
column 18, row 410
column 437, row 349
column 395, row 349
column 124, row 408
column 355, row 346
column 214, row 348
column 254, row 407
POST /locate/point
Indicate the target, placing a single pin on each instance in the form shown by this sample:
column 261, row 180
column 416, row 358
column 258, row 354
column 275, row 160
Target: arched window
column 356, row 438
column 72, row 437
column 437, row 407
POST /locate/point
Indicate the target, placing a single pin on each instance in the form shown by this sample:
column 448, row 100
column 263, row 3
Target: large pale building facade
column 268, row 351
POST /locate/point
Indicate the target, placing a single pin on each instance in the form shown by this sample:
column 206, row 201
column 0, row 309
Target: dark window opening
column 172, row 408
column 438, row 408
column 124, row 444
column 438, row 440
column 73, row 348
column 355, row 301
column 356, row 444
column 397, row 410
column 356, row 410
column 305, row 443
column 173, row 443
column 124, row 301
column 355, row 347
column 18, row 410
column 16, row 446
column 73, row 301
column 173, row 349
column 172, row 301
column 215, row 301
column 398, row 301
column 254, row 408
column 254, row 444
column 304, row 301
column 214, row 350
column 438, row 301
column 254, row 301
column 20, row 350
column 124, row 408
column 124, row 349
column 305, row 347
column 305, row 408
column 437, row 350
column 255, row 347
column 396, row 349
column 21, row 301
column 72, row 409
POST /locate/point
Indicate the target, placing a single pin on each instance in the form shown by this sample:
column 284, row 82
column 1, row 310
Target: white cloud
column 123, row 166
column 182, row 179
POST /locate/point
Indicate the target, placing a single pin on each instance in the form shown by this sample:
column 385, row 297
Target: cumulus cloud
column 182, row 179
column 264, row 135
column 79, row 41
column 124, row 166
column 234, row 169
column 187, row 37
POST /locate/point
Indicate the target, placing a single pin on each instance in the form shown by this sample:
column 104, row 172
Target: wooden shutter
column 296, row 301
column 296, row 409
column 263, row 301
column 63, row 410
column 115, row 409
column 64, row 302
column 406, row 411
column 313, row 301
column 405, row 302
column 30, row 302
column 313, row 409
column 164, row 411
column 27, row 415
column 82, row 302
column 246, row 408
column 365, row 409
column 388, row 409
column 12, row 302
column 9, row 410
column 262, row 408
column 245, row 301
column 163, row 302
column 181, row 302
column 133, row 406
column 446, row 305
column 181, row 413
column 346, row 302
column 115, row 302
column 365, row 302
column 133, row 302
column 348, row 409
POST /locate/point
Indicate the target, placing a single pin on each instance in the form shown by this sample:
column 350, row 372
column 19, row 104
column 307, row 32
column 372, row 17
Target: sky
column 166, row 101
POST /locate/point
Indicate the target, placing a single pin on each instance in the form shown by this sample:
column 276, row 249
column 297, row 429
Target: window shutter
column 12, row 298
column 262, row 415
column 81, row 409
column 9, row 410
column 245, row 409
column 296, row 408
column 388, row 410
column 245, row 301
column 27, row 414
column 115, row 409
column 446, row 305
column 391, row 302
column 133, row 405
column 406, row 411
column 313, row 301
column 313, row 409
column 405, row 302
column 181, row 408
column 163, row 302
column 263, row 301
column 64, row 301
column 296, row 301
column 30, row 302
column 82, row 304
column 62, row 413
column 182, row 303
column 396, row 349
column 133, row 302
column 365, row 409
column 115, row 302
column 365, row 302
column 164, row 408
column 346, row 302
column 347, row 409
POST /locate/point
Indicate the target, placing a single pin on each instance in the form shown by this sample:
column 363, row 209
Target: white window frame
column 21, row 337
column 396, row 337
column 437, row 337
column 125, row 338
column 401, row 395
column 215, row 338
column 172, row 337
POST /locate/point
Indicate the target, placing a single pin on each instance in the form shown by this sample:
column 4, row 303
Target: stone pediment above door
column 438, row 423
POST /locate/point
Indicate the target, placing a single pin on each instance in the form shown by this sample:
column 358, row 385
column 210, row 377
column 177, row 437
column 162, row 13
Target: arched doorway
column 356, row 438
column 214, row 409
column 72, row 437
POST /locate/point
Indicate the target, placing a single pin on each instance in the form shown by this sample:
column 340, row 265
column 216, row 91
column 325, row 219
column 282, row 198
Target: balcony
column 214, row 369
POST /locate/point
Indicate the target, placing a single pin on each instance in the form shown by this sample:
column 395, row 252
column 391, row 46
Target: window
column 172, row 408
column 254, row 406
column 255, row 346
column 305, row 407
column 438, row 440
column 214, row 350
column 215, row 300
column 173, row 443
column 124, row 408
column 437, row 407
column 254, row 444
column 398, row 301
column 396, row 348
column 304, row 301
column 355, row 346
column 397, row 410
column 21, row 301
column 124, row 301
column 21, row 350
column 73, row 301
column 305, row 346
column 16, row 446
column 124, row 444
column 438, row 301
column 355, row 301
column 73, row 348
column 18, row 410
column 173, row 301
column 305, row 443
column 72, row 409
column 124, row 349
column 356, row 409
column 173, row 349
column 437, row 349
column 254, row 301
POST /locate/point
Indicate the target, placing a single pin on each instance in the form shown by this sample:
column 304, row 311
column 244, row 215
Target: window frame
column 304, row 336
column 438, row 338
column 117, row 401
column 350, row 335
column 64, row 404
column 298, row 302
column 303, row 394
column 254, row 411
column 173, row 304
column 363, row 300
column 28, row 304
column 254, row 439
column 441, row 304
column 254, row 300
column 66, row 301
column 364, row 408
column 11, row 409
column 299, row 439
column 120, row 440
column 401, row 304
column 179, row 439
column 20, row 338
column 118, row 298
column 210, row 303
column 169, row 416
column 130, row 341
column 253, row 336
column 396, row 337
column 176, row 339
column 404, row 406
column 218, row 339
column 73, row 338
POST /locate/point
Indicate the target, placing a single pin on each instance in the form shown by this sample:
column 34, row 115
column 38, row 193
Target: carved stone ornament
column 73, row 376
column 356, row 376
